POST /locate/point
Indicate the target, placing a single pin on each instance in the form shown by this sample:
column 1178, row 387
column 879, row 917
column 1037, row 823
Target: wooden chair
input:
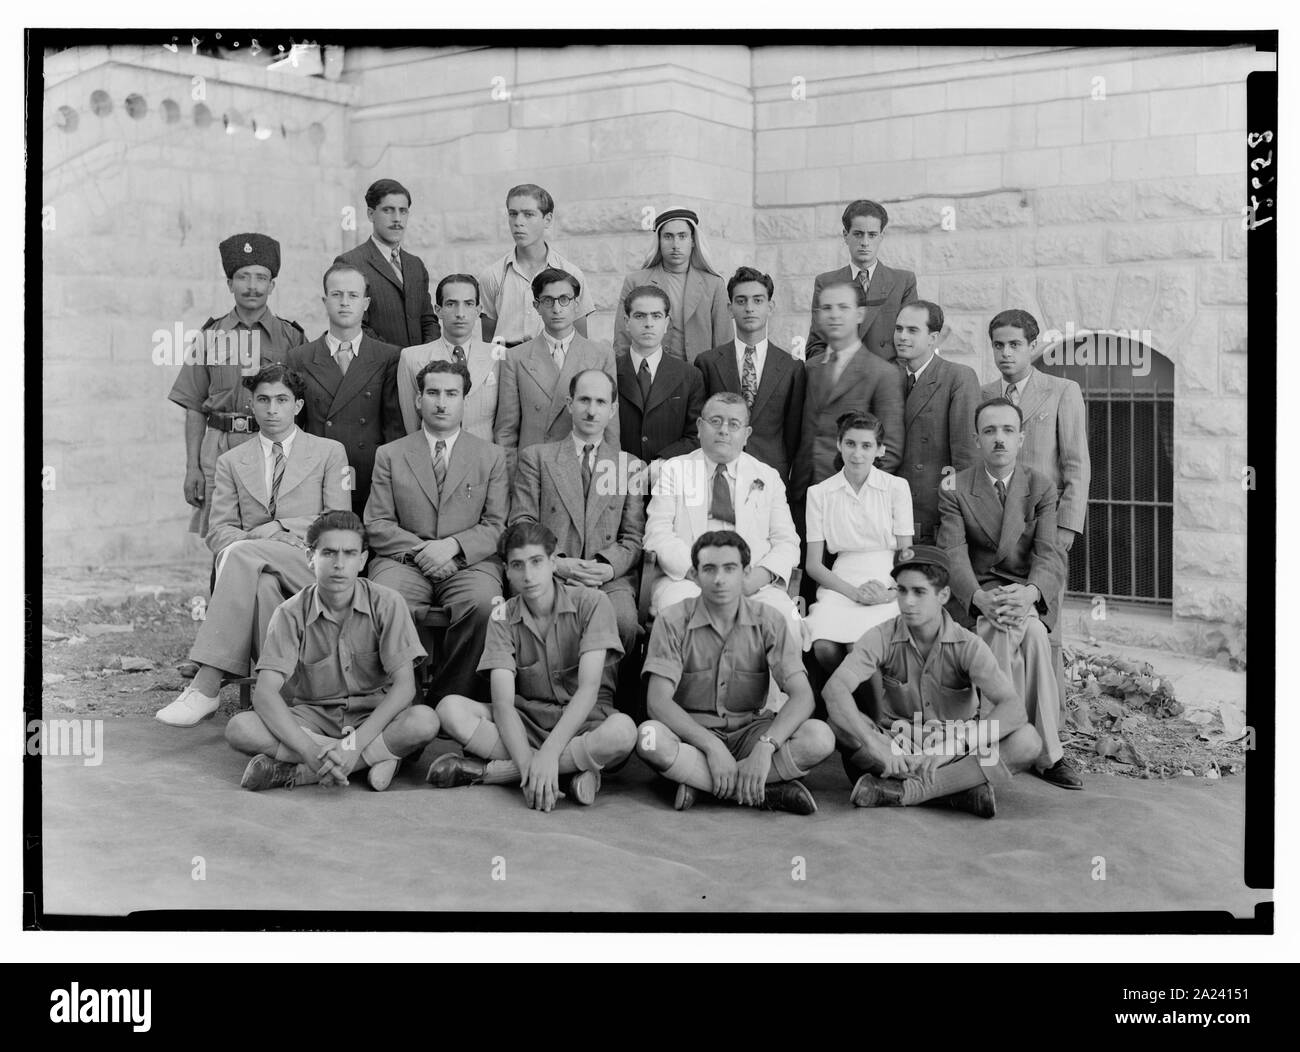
column 437, row 620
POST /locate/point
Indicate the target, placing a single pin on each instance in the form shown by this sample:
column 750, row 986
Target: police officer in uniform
column 218, row 408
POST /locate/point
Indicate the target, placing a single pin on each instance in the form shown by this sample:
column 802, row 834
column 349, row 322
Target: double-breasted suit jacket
column 665, row 424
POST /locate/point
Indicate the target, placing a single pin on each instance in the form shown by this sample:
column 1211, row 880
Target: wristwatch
column 769, row 740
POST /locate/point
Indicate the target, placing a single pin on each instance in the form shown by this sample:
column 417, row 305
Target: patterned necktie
column 440, row 464
column 344, row 357
column 722, row 507
column 586, row 468
column 749, row 378
column 1013, row 394
column 458, row 354
column 277, row 475
column 643, row 382
column 395, row 258
column 1001, row 487
column 864, row 279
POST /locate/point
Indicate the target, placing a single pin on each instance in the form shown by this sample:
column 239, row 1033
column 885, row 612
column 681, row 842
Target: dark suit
column 939, row 418
column 866, row 384
column 705, row 313
column 607, row 523
column 777, row 413
column 360, row 409
column 990, row 545
column 400, row 312
column 889, row 290
column 406, row 509
column 665, row 426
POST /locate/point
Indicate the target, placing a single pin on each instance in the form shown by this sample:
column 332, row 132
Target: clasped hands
column 435, row 559
column 590, row 572
column 1008, row 606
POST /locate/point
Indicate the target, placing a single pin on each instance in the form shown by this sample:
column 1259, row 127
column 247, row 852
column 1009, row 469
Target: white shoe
column 188, row 709
column 381, row 774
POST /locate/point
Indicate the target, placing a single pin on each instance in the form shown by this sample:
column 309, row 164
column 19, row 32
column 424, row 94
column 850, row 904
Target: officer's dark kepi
column 247, row 250
column 918, row 556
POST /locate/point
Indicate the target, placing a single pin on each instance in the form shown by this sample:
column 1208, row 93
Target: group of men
column 473, row 452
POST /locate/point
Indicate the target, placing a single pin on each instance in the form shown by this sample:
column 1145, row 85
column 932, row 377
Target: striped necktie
column 395, row 258
column 1001, row 487
column 277, row 475
column 440, row 465
column 1013, row 394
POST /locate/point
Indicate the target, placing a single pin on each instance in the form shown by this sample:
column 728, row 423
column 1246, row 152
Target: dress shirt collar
column 579, row 442
column 875, row 480
column 928, row 362
column 1006, row 481
column 385, row 250
column 334, row 343
column 315, row 608
column 433, row 440
column 652, row 360
column 286, row 443
column 870, row 272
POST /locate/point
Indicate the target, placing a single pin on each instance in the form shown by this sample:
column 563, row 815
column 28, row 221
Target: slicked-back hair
column 1015, row 318
column 524, row 533
column 613, row 384
column 859, row 293
column 337, row 520
column 727, row 398
column 545, row 202
column 647, row 290
column 551, row 275
column 720, row 539
column 993, row 402
column 863, row 207
column 744, row 274
column 279, row 374
column 343, row 268
column 458, row 279
column 933, row 313
column 381, row 188
column 439, row 366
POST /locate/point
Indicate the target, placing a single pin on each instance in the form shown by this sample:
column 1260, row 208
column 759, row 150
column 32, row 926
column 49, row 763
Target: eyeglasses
column 551, row 301
column 720, row 423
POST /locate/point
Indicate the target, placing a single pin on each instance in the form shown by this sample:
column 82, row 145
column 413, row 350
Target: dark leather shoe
column 1062, row 773
column 265, row 772
column 451, row 771
column 685, row 798
column 792, row 796
column 977, row 801
column 871, row 791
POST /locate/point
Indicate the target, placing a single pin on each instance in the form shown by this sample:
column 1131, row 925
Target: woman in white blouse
column 863, row 516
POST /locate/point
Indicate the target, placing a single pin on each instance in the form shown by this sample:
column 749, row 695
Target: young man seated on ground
column 344, row 651
column 268, row 491
column 551, row 652
column 709, row 660
column 928, row 739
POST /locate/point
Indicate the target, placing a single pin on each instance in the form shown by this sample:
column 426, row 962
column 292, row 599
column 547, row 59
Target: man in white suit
column 268, row 491
column 532, row 407
column 457, row 303
column 720, row 487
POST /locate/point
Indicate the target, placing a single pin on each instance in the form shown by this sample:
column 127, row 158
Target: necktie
column 344, row 357
column 749, row 378
column 864, row 279
column 277, row 474
column 1013, row 394
column 833, row 360
column 1001, row 487
column 722, row 507
column 643, row 382
column 557, row 353
column 440, row 465
column 586, row 468
column 911, row 381
column 396, row 260
column 458, row 354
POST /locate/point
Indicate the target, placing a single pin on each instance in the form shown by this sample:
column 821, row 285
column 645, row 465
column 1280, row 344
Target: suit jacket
column 1056, row 439
column 706, row 316
column 989, row 545
column 312, row 483
column 777, row 413
column 939, row 423
column 482, row 360
column 607, row 523
column 531, row 405
column 867, row 383
column 666, row 425
column 406, row 507
column 360, row 409
column 400, row 312
column 889, row 290
column 679, row 513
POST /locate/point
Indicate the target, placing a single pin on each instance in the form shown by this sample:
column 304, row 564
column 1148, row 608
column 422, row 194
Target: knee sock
column 578, row 753
column 377, row 752
column 501, row 772
column 864, row 761
column 965, row 773
column 784, row 767
column 485, row 742
column 690, row 767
